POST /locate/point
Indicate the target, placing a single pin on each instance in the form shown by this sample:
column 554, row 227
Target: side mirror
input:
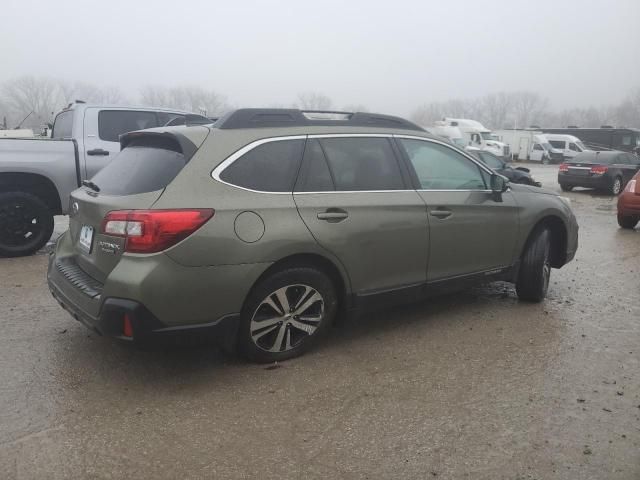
column 499, row 185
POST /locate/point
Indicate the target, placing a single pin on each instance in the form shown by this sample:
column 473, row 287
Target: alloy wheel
column 286, row 317
column 617, row 186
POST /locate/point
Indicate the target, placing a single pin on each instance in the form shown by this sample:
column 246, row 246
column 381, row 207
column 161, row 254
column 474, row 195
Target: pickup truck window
column 113, row 123
column 62, row 126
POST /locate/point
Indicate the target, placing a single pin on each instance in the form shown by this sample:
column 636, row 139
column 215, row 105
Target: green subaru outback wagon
column 262, row 227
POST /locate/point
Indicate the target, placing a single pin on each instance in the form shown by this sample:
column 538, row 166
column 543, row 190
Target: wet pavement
column 475, row 385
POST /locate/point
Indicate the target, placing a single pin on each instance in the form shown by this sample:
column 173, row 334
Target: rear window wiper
column 91, row 185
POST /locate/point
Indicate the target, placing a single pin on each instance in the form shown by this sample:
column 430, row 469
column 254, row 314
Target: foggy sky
column 390, row 56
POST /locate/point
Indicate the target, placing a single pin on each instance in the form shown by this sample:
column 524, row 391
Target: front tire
column 535, row 268
column 628, row 222
column 26, row 224
column 286, row 314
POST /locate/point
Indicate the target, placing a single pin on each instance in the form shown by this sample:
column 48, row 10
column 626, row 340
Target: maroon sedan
column 629, row 203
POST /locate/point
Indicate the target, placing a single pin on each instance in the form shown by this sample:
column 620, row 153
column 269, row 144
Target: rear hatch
column 134, row 180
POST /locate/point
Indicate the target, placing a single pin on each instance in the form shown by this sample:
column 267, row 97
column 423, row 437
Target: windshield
column 491, row 160
column 547, row 147
column 581, row 145
column 487, row 136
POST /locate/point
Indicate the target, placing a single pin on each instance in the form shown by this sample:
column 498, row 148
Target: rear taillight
column 150, row 231
column 563, row 167
column 599, row 170
column 631, row 187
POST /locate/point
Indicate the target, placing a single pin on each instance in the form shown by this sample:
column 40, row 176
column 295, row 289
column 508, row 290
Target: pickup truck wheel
column 535, row 268
column 26, row 224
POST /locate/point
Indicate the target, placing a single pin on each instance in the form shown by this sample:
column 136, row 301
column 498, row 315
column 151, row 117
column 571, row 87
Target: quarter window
column 315, row 175
column 441, row 168
column 113, row 123
column 362, row 163
column 270, row 167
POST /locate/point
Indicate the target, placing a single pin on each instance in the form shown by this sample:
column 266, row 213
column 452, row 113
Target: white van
column 569, row 145
column 530, row 145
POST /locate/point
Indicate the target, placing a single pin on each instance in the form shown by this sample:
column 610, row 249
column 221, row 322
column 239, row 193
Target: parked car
column 37, row 175
column 607, row 171
column 515, row 175
column 629, row 204
column 260, row 228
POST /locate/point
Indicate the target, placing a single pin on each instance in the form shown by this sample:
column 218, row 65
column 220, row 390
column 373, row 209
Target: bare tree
column 527, row 107
column 38, row 96
column 192, row 99
column 495, row 109
column 313, row 101
column 627, row 113
column 356, row 107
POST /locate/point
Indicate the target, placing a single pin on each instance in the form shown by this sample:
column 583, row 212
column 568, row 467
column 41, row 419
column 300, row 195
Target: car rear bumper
column 588, row 181
column 146, row 327
column 161, row 297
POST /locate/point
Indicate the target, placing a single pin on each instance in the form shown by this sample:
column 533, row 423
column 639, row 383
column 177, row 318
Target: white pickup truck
column 37, row 175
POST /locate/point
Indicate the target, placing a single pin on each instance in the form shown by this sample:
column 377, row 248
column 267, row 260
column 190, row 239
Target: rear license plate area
column 85, row 241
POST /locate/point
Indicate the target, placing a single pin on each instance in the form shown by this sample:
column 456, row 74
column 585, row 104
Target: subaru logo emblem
column 75, row 208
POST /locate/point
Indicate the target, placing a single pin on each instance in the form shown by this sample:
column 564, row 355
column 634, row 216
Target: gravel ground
column 474, row 385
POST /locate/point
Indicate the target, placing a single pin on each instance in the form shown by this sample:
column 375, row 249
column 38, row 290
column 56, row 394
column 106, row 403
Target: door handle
column 333, row 215
column 442, row 214
column 98, row 151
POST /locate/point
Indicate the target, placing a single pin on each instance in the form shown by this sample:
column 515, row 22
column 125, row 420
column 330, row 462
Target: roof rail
column 290, row 117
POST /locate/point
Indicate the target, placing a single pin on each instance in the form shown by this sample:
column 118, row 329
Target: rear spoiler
column 156, row 139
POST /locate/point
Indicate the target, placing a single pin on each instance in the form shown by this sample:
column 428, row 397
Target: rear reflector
column 127, row 329
column 151, row 231
column 563, row 167
column 599, row 169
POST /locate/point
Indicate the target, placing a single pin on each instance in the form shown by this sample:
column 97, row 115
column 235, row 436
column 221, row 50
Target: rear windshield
column 596, row 157
column 145, row 165
column 63, row 125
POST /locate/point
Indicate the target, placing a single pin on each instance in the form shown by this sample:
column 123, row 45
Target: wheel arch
column 35, row 184
column 322, row 263
column 559, row 237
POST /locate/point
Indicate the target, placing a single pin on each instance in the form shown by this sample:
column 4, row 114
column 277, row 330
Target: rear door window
column 145, row 165
column 113, row 123
column 270, row 167
column 362, row 163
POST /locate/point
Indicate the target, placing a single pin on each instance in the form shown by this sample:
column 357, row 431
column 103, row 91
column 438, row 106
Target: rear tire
column 616, row 186
column 628, row 222
column 296, row 307
column 26, row 224
column 535, row 269
column 566, row 188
